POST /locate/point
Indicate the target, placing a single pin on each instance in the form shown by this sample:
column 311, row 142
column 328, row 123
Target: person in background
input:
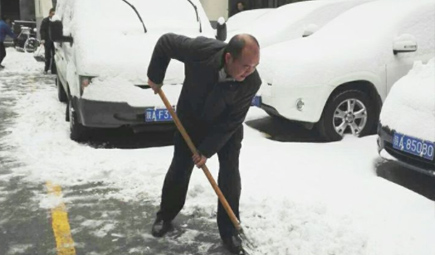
column 240, row 6
column 5, row 30
column 48, row 44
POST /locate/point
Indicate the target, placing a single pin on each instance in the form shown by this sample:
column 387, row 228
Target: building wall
column 10, row 8
column 18, row 9
column 27, row 10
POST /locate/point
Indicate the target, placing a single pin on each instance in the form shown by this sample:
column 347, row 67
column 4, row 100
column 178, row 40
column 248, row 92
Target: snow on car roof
column 288, row 21
column 372, row 18
column 115, row 15
column 410, row 106
column 244, row 18
column 110, row 40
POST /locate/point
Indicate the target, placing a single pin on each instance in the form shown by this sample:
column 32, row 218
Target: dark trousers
column 178, row 176
column 49, row 57
column 2, row 52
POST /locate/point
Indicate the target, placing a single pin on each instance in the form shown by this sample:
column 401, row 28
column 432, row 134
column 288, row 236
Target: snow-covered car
column 294, row 20
column 103, row 48
column 406, row 127
column 338, row 78
column 244, row 18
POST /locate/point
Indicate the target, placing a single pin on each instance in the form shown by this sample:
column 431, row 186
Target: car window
column 421, row 25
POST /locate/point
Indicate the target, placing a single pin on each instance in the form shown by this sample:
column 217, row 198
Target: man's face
column 245, row 65
column 240, row 6
column 51, row 14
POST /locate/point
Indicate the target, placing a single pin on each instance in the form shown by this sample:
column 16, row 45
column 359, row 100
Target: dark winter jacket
column 207, row 108
column 5, row 30
column 44, row 29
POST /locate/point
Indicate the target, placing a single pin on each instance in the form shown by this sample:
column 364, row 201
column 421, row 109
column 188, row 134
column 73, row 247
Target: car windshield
column 182, row 14
column 157, row 16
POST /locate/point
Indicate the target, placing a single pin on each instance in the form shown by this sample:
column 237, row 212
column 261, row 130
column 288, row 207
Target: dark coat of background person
column 48, row 46
column 4, row 31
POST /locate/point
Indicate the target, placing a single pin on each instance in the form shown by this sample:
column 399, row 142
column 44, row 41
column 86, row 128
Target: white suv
column 338, row 78
column 103, row 48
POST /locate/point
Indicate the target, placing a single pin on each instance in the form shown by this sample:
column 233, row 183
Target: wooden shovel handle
column 192, row 147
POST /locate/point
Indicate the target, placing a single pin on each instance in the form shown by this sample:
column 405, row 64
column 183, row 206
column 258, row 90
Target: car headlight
column 84, row 82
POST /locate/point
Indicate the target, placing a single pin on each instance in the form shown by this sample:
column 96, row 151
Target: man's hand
column 42, row 42
column 199, row 160
column 155, row 87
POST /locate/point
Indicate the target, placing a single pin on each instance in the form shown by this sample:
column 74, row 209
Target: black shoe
column 161, row 227
column 1, row 67
column 234, row 244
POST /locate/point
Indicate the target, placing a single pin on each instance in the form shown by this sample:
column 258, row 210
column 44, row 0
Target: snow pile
column 20, row 62
column 410, row 105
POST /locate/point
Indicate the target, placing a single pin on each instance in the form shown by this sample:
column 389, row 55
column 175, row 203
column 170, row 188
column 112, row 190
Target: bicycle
column 31, row 43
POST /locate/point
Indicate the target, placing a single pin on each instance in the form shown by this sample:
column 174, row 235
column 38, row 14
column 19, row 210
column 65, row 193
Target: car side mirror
column 56, row 32
column 309, row 30
column 221, row 28
column 404, row 43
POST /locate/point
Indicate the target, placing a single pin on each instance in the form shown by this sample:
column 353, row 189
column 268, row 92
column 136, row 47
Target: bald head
column 242, row 55
column 240, row 42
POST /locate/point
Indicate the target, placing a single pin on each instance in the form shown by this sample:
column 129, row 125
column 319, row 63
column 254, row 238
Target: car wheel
column 347, row 112
column 77, row 130
column 61, row 94
column 31, row 45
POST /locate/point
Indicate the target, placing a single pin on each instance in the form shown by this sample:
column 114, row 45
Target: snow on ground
column 297, row 198
column 20, row 63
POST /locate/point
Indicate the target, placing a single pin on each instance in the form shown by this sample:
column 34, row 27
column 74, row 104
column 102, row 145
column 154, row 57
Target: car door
column 420, row 26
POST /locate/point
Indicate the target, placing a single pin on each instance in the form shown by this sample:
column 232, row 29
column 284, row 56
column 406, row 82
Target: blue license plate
column 256, row 101
column 413, row 146
column 157, row 115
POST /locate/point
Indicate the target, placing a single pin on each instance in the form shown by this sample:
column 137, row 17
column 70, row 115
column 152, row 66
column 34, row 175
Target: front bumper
column 303, row 104
column 385, row 142
column 99, row 114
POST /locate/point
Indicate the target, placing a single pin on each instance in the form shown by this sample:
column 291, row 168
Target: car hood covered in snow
column 410, row 105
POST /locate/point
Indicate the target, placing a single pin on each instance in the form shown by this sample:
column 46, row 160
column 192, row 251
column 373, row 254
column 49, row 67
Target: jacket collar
column 218, row 66
column 218, row 60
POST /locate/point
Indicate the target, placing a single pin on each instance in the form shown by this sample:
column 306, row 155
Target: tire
column 77, row 130
column 61, row 94
column 349, row 111
column 31, row 45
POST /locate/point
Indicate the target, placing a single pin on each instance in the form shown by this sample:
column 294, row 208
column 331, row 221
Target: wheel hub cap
column 350, row 118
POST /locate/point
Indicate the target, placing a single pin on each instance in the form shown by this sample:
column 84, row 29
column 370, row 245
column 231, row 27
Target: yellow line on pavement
column 60, row 224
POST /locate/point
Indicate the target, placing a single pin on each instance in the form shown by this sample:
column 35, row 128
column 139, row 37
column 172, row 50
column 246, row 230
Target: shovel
column 207, row 173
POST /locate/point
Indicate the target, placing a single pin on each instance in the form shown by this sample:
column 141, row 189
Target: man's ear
column 228, row 57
